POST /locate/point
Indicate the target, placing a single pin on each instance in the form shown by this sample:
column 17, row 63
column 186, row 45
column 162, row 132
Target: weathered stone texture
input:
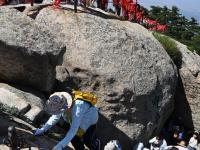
column 190, row 76
column 29, row 53
column 22, row 101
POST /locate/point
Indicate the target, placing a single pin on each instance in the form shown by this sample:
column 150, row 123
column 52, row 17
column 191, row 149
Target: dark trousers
column 118, row 9
column 89, row 139
column 191, row 148
column 99, row 3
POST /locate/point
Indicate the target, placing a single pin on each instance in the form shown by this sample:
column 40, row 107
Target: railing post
column 32, row 1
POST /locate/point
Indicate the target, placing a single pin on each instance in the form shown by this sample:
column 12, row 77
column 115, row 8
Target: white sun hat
column 58, row 101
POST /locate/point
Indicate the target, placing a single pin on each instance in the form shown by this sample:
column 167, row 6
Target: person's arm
column 168, row 147
column 193, row 142
column 152, row 140
column 78, row 110
column 52, row 121
column 164, row 144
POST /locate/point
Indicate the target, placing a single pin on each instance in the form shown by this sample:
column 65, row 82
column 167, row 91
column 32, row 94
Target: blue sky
column 187, row 7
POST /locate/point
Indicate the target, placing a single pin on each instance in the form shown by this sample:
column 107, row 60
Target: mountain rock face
column 22, row 101
column 121, row 62
column 28, row 52
column 190, row 80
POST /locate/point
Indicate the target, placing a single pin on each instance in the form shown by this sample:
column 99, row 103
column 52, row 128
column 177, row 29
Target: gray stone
column 124, row 65
column 10, row 100
column 22, row 101
column 189, row 103
column 33, row 113
column 29, row 53
column 32, row 11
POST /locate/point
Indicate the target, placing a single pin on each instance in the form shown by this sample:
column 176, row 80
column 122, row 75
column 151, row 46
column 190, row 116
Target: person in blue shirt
column 82, row 117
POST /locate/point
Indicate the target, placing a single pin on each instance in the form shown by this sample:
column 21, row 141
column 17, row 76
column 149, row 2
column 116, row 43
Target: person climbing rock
column 80, row 113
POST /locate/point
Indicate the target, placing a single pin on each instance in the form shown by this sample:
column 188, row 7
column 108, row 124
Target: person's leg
column 118, row 8
column 77, row 143
column 90, row 138
column 98, row 3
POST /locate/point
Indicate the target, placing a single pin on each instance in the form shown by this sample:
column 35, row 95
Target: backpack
column 85, row 96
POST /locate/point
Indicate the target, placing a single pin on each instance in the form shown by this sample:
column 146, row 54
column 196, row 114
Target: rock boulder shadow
column 107, row 132
column 182, row 108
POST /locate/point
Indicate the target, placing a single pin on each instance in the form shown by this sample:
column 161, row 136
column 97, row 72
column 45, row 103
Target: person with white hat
column 82, row 117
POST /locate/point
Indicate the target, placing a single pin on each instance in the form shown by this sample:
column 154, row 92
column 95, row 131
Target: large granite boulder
column 188, row 102
column 29, row 53
column 22, row 101
column 121, row 62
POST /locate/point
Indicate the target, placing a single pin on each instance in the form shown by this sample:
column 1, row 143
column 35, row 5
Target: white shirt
column 163, row 143
column 193, row 142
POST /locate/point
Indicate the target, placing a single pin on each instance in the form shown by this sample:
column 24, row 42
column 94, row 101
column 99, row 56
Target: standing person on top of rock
column 82, row 115
column 116, row 5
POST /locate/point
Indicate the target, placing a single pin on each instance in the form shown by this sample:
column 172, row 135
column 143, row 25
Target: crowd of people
column 175, row 137
column 132, row 11
column 127, row 9
column 78, row 110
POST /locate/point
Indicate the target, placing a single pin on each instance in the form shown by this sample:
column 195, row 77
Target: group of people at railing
column 127, row 9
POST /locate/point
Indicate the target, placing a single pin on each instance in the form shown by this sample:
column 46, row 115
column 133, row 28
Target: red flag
column 2, row 2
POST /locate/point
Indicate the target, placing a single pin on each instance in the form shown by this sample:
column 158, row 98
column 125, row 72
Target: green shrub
column 171, row 47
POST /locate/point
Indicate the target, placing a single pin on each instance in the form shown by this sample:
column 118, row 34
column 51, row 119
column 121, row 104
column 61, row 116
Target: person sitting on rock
column 158, row 143
column 175, row 138
column 82, row 117
column 193, row 142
